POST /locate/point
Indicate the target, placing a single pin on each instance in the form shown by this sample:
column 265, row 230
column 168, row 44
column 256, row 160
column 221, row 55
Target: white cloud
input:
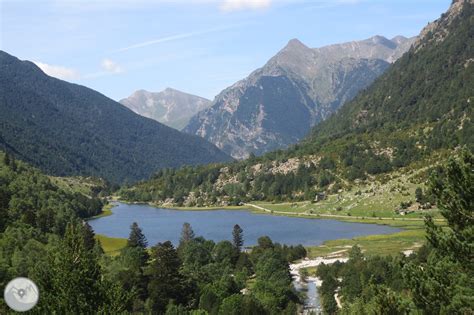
column 110, row 66
column 59, row 72
column 236, row 5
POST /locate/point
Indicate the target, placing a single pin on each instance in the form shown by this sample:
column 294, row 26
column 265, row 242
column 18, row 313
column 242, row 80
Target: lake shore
column 106, row 211
column 407, row 238
column 400, row 222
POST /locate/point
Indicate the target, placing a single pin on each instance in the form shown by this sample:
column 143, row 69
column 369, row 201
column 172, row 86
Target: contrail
column 177, row 37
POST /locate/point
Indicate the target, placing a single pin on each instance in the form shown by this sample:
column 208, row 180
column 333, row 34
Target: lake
column 161, row 225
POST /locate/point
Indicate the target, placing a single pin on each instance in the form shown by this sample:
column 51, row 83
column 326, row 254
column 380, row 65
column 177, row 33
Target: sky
column 198, row 46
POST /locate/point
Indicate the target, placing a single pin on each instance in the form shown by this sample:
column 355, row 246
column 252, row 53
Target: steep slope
column 299, row 87
column 67, row 129
column 170, row 107
column 416, row 114
column 426, row 96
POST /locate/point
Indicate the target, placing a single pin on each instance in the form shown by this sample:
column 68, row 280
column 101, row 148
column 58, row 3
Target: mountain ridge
column 416, row 114
column 171, row 107
column 68, row 129
column 301, row 83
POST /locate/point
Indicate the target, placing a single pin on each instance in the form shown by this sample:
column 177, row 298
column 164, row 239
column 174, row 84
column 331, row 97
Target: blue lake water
column 161, row 225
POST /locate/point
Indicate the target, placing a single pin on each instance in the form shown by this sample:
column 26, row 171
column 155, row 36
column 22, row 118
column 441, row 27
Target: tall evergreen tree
column 187, row 233
column 89, row 236
column 166, row 283
column 238, row 236
column 444, row 283
column 71, row 284
column 12, row 163
column 6, row 159
column 136, row 237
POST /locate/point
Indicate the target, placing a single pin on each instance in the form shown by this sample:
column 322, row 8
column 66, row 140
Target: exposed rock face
column 170, row 107
column 438, row 30
column 279, row 103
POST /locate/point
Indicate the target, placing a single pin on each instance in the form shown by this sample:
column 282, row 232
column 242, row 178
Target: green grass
column 372, row 200
column 389, row 244
column 111, row 245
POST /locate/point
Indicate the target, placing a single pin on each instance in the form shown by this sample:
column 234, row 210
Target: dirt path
column 333, row 215
column 338, row 300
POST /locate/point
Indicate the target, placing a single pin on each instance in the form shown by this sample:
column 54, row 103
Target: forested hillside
column 43, row 237
column 66, row 129
column 437, row 279
column 37, row 219
column 418, row 112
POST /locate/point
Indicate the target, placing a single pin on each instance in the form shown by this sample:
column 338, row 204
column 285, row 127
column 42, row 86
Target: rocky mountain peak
column 299, row 87
column 381, row 40
column 170, row 90
column 438, row 30
column 399, row 39
column 295, row 57
column 170, row 106
column 295, row 44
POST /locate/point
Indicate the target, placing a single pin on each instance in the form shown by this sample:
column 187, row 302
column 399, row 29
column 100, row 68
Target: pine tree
column 136, row 237
column 238, row 236
column 444, row 283
column 71, row 284
column 166, row 283
column 6, row 159
column 13, row 164
column 89, row 237
column 419, row 194
column 187, row 233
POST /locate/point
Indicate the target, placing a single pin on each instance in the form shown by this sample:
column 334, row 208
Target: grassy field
column 111, row 245
column 372, row 200
column 390, row 244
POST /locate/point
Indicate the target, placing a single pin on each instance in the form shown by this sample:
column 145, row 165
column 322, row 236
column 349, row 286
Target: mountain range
column 68, row 129
column 170, row 107
column 416, row 114
column 299, row 87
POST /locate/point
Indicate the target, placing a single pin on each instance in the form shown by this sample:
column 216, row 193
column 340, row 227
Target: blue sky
column 197, row 46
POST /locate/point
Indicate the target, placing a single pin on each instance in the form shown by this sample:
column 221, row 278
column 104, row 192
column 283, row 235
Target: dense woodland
column 44, row 238
column 418, row 109
column 66, row 129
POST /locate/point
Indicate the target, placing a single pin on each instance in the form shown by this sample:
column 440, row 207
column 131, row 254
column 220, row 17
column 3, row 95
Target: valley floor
column 411, row 237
